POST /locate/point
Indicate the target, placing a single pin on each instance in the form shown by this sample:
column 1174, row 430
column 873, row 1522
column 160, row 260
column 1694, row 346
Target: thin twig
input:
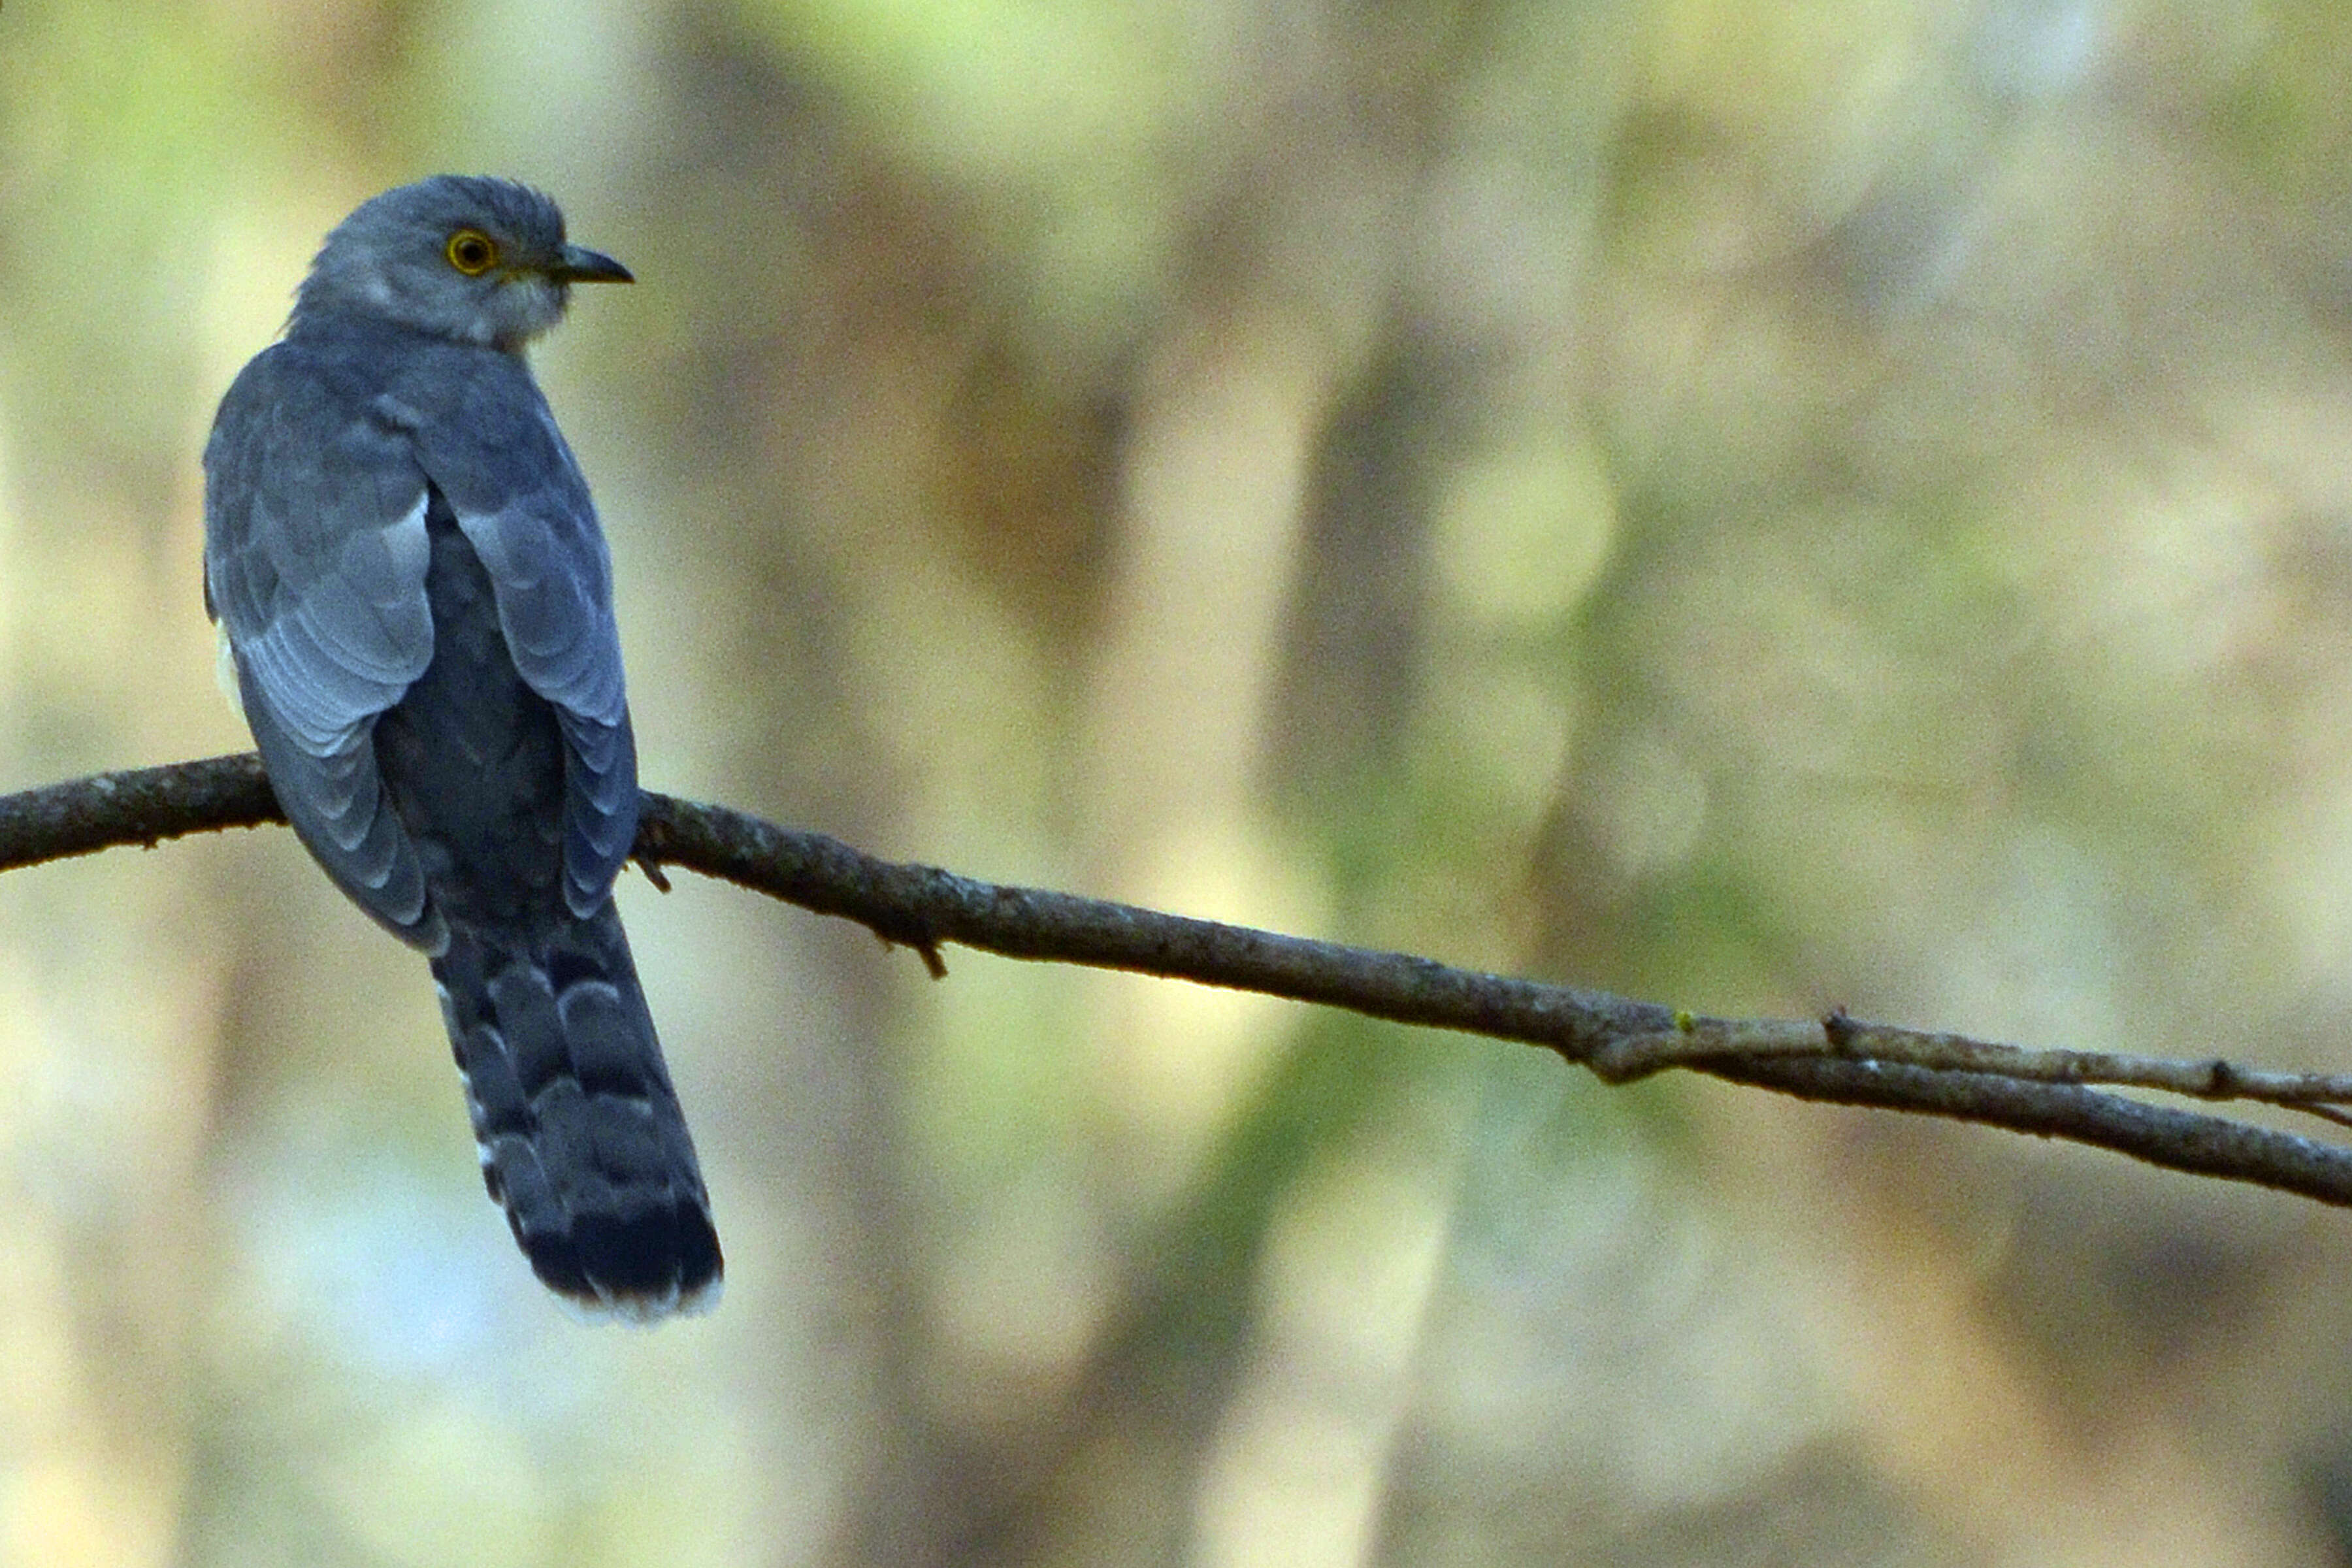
column 1838, row 1058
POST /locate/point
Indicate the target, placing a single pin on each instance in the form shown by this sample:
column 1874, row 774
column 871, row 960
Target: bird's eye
column 472, row 252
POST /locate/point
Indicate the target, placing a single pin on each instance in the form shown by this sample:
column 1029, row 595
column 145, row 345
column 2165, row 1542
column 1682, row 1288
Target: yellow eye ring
column 471, row 252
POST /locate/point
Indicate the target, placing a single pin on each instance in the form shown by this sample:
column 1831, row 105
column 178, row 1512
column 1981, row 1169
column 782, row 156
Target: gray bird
column 406, row 567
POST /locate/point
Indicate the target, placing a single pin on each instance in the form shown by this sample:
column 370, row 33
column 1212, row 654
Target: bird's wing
column 524, row 507
column 315, row 552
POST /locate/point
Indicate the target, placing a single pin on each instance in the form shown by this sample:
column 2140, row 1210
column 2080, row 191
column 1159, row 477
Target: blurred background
column 1758, row 507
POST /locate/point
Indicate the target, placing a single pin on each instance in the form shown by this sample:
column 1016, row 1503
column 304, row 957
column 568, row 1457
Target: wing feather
column 520, row 500
column 314, row 561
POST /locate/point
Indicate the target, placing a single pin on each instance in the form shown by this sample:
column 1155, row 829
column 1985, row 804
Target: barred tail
column 580, row 1132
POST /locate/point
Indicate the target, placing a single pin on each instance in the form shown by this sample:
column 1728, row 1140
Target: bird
column 415, row 605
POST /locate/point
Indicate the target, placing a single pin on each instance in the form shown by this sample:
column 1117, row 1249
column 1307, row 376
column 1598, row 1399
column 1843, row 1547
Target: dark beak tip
column 581, row 265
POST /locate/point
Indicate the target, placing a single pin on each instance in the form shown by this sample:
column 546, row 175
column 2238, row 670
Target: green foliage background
column 1759, row 507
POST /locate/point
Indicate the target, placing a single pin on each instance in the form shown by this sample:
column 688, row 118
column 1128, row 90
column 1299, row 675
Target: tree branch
column 1837, row 1058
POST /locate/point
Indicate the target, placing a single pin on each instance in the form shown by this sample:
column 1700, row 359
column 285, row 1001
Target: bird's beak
column 581, row 265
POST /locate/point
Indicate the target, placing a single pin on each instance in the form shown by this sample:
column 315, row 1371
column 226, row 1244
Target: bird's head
column 478, row 260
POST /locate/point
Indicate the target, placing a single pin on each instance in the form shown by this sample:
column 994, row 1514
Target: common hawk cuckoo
column 418, row 603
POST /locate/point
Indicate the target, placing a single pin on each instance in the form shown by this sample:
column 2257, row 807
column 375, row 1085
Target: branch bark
column 2053, row 1094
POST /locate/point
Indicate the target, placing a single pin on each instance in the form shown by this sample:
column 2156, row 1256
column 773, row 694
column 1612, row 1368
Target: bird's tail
column 580, row 1132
